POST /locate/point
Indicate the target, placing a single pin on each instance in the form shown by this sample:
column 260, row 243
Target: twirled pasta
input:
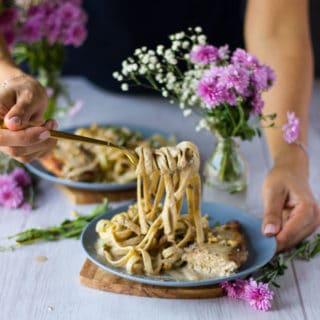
column 150, row 237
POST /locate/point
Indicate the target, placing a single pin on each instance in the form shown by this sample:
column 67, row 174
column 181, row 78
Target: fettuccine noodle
column 150, row 237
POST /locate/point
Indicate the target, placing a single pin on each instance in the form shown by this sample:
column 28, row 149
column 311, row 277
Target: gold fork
column 131, row 155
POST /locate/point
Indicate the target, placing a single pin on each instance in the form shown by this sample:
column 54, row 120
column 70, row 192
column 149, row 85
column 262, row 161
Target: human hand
column 23, row 101
column 291, row 212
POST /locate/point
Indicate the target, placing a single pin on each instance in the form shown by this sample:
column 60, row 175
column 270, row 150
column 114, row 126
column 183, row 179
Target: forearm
column 8, row 68
column 287, row 49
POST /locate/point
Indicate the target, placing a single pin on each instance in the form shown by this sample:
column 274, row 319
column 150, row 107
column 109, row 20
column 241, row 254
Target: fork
column 129, row 153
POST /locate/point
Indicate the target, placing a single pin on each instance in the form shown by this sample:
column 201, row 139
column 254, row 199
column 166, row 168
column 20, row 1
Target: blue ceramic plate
column 261, row 249
column 36, row 168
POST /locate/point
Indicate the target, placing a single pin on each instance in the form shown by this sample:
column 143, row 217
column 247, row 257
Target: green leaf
column 67, row 229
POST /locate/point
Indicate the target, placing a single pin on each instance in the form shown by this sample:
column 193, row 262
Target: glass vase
column 226, row 169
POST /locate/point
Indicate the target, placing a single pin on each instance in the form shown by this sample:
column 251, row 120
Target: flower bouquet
column 224, row 88
column 37, row 32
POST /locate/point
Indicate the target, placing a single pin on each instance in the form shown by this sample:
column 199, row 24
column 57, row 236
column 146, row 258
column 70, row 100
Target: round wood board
column 94, row 277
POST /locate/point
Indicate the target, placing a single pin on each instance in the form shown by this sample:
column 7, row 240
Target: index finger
column 23, row 138
column 301, row 224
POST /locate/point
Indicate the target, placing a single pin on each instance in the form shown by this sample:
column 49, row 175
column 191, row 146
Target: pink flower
column 223, row 52
column 69, row 12
column 7, row 180
column 9, row 35
column 204, row 54
column 212, row 93
column 21, row 177
column 257, row 104
column 244, row 59
column 292, row 128
column 8, row 17
column 76, row 108
column 76, row 34
column 11, row 195
column 258, row 295
column 31, row 30
column 50, row 92
column 53, row 28
column 234, row 289
column 236, row 78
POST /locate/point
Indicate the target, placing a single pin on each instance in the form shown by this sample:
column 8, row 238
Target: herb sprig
column 306, row 250
column 67, row 229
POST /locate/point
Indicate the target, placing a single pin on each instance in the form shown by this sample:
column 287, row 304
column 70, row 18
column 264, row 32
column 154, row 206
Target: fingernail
column 44, row 135
column 15, row 120
column 270, row 229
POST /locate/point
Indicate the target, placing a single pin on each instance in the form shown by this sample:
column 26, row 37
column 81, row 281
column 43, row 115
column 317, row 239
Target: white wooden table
column 51, row 290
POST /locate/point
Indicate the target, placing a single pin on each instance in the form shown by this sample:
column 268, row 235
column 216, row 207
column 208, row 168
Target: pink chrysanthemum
column 7, row 180
column 292, row 128
column 223, row 52
column 8, row 17
column 76, row 108
column 11, row 196
column 234, row 289
column 31, row 30
column 258, row 295
column 75, row 35
column 244, row 59
column 204, row 54
column 21, row 177
column 235, row 78
column 257, row 104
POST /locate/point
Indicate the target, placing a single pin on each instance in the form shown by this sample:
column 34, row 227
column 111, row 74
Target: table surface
column 51, row 289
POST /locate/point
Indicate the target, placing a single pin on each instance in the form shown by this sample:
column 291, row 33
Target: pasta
column 95, row 163
column 151, row 236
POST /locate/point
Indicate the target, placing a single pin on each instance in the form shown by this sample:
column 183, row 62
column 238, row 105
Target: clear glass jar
column 226, row 168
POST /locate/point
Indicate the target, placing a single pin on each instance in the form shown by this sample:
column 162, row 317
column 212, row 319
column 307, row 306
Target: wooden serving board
column 81, row 196
column 94, row 277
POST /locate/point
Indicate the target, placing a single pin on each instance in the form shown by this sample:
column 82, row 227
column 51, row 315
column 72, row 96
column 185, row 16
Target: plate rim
column 43, row 173
column 177, row 283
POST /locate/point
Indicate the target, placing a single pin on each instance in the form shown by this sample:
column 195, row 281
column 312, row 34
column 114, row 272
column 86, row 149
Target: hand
column 22, row 105
column 291, row 212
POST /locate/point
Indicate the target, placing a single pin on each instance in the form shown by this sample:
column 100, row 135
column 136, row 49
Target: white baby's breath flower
column 115, row 75
column 144, row 49
column 151, row 66
column 145, row 59
column 181, row 105
column 124, row 87
column 198, row 29
column 142, row 70
column 160, row 49
column 193, row 38
column 185, row 44
column 137, row 52
column 187, row 112
column 153, row 60
column 165, row 93
column 175, row 45
column 202, row 39
column 180, row 35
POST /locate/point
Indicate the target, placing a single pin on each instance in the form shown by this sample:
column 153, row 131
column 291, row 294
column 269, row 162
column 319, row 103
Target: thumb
column 21, row 114
column 274, row 201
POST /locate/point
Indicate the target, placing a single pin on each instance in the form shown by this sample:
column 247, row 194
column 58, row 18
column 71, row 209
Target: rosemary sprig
column 306, row 250
column 67, row 229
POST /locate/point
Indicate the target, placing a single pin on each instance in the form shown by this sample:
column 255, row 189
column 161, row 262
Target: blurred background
column 115, row 30
column 315, row 29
